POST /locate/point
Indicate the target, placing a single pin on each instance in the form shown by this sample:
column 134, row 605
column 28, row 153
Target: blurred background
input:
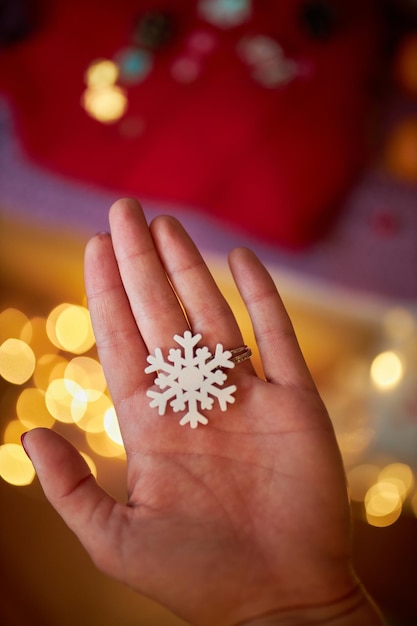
column 290, row 127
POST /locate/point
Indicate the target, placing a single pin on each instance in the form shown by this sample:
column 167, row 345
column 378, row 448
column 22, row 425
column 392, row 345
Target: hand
column 242, row 519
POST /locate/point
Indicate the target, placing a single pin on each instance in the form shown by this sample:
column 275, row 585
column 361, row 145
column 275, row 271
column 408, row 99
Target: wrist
column 354, row 609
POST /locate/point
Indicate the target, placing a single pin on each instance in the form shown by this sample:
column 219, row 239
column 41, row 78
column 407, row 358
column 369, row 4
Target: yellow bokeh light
column 12, row 322
column 111, row 426
column 17, row 361
column 48, row 367
column 360, row 479
column 31, row 409
column 87, row 373
column 65, row 400
column 383, row 504
column 400, row 475
column 101, row 73
column 93, row 419
column 387, row 370
column 69, row 328
column 13, row 431
column 102, row 445
column 106, row 104
column 15, row 466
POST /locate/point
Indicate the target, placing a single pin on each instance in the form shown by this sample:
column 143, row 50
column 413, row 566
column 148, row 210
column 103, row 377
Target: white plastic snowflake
column 190, row 379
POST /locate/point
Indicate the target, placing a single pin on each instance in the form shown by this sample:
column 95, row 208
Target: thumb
column 74, row 493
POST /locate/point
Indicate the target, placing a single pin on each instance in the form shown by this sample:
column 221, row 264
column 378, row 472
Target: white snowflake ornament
column 191, row 380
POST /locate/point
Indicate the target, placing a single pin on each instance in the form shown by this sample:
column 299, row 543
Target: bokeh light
column 102, row 445
column 66, row 401
column 31, row 409
column 105, row 104
column 48, row 367
column 383, row 504
column 12, row 322
column 387, row 370
column 93, row 419
column 400, row 475
column 15, row 466
column 111, row 426
column 88, row 374
column 13, row 432
column 101, row 73
column 17, row 361
column 69, row 328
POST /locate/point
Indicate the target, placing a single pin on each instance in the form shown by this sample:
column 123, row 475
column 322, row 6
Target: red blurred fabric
column 273, row 161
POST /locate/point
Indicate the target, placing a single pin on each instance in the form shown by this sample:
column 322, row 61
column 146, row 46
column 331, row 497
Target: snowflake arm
column 160, row 399
column 157, row 363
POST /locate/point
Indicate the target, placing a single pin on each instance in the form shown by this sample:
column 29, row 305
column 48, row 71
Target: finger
column 281, row 356
column 72, row 490
column 152, row 300
column 206, row 308
column 121, row 349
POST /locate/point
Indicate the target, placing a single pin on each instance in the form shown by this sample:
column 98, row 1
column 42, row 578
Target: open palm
column 245, row 517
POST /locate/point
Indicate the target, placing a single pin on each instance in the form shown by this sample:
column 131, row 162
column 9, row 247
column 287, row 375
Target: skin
column 245, row 520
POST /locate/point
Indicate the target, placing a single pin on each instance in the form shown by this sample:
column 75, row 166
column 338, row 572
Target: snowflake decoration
column 190, row 379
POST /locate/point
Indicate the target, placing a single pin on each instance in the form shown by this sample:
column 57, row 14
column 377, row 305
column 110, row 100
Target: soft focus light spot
column 48, row 367
column 31, row 409
column 400, row 475
column 17, row 361
column 383, row 504
column 69, row 328
column 134, row 65
column 386, row 370
column 51, row 323
column 225, row 13
column 93, row 419
column 15, row 466
column 90, row 463
column 87, row 373
column 360, row 479
column 64, row 400
column 101, row 73
column 185, row 69
column 102, row 445
column 111, row 426
column 13, row 432
column 12, row 322
column 105, row 104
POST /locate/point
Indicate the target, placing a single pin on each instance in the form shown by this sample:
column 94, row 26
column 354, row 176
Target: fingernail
column 22, row 439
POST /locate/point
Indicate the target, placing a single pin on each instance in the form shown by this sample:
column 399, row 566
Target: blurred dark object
column 18, row 18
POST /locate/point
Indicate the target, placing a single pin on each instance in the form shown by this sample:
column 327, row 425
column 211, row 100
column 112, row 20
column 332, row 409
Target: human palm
column 242, row 518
